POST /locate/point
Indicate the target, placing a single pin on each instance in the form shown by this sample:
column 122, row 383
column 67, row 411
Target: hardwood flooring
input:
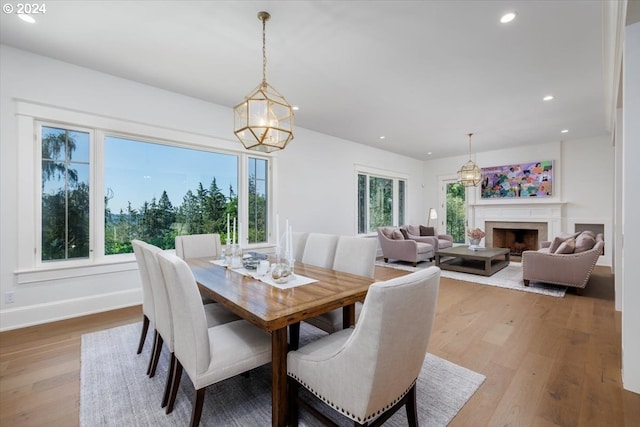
column 548, row 361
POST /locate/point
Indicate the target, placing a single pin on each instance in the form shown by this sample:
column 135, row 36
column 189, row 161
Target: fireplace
column 518, row 236
column 516, row 240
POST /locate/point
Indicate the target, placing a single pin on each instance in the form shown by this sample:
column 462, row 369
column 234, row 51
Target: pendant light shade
column 469, row 174
column 263, row 121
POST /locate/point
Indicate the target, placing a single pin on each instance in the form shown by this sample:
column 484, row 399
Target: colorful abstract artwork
column 533, row 179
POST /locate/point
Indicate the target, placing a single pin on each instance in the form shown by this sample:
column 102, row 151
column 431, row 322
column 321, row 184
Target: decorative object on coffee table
column 475, row 236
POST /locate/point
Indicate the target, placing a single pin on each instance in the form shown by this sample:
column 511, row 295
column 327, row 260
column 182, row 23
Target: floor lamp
column 432, row 215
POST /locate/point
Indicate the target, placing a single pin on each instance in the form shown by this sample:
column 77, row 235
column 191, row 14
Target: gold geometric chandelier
column 469, row 174
column 263, row 121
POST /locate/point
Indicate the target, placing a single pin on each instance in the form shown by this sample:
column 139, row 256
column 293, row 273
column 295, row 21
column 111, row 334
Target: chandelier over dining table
column 263, row 121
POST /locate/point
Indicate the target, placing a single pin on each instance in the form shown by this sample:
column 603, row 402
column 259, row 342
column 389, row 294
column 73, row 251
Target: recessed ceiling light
column 508, row 17
column 382, row 137
column 295, row 108
column 564, row 131
column 27, row 18
column 429, row 153
column 548, row 98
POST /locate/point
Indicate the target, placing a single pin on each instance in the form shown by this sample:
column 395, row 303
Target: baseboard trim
column 37, row 314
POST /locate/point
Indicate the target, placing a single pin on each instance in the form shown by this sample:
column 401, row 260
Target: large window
column 258, row 206
column 381, row 201
column 155, row 192
column 65, row 232
column 100, row 190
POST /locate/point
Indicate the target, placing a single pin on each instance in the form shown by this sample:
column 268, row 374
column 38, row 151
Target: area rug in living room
column 115, row 390
column 509, row 277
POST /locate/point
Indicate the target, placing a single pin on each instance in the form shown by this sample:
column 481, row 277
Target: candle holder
column 281, row 272
column 228, row 252
column 236, row 256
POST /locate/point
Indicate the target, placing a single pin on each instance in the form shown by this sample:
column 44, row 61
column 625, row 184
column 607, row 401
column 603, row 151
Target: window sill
column 48, row 273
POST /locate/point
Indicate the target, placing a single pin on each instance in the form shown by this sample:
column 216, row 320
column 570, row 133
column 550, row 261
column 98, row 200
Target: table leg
column 279, row 377
column 348, row 316
column 487, row 267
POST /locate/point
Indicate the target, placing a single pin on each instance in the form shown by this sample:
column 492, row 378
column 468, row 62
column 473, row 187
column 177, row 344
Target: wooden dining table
column 274, row 310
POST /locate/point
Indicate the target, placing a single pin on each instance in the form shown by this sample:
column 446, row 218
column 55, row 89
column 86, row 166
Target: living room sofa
column 395, row 246
column 567, row 260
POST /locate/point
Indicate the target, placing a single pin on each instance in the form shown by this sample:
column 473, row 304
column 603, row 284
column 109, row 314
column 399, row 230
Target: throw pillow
column 427, row 231
column 404, row 233
column 557, row 241
column 397, row 235
column 584, row 242
column 566, row 247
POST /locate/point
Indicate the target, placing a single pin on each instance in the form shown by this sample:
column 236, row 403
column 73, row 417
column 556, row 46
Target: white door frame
column 443, row 180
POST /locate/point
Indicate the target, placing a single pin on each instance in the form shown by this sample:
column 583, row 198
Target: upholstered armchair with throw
column 567, row 260
column 395, row 246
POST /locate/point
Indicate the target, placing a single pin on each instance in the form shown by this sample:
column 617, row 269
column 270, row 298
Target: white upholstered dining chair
column 298, row 240
column 208, row 355
column 148, row 306
column 199, row 246
column 320, row 249
column 368, row 372
column 215, row 314
column 354, row 255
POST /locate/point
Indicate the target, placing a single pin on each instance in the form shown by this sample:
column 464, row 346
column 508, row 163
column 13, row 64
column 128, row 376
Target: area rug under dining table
column 115, row 390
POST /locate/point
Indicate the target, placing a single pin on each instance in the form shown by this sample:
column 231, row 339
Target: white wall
column 315, row 185
column 630, row 208
column 583, row 179
column 317, row 182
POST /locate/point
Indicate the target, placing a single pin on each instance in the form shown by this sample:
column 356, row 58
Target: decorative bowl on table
column 251, row 260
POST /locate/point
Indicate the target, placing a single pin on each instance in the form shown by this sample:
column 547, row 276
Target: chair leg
column 579, row 291
column 156, row 355
column 153, row 351
column 412, row 408
column 197, row 407
column 293, row 402
column 167, row 387
column 143, row 334
column 175, row 384
column 526, row 282
column 294, row 336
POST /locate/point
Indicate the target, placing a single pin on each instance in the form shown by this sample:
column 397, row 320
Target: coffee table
column 484, row 261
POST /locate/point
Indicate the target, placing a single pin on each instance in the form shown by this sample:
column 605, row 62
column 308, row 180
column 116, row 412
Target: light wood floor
column 548, row 361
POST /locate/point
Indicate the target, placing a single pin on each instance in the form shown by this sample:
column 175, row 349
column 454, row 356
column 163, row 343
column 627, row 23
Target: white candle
column 239, row 232
column 286, row 238
column 227, row 228
column 290, row 243
column 277, row 233
column 233, row 239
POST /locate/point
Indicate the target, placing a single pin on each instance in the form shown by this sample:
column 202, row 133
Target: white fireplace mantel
column 543, row 211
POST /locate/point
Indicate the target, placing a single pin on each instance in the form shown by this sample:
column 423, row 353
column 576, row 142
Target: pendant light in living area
column 263, row 121
column 469, row 174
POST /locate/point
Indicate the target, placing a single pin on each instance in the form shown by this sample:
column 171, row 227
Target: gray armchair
column 572, row 268
column 395, row 246
column 439, row 241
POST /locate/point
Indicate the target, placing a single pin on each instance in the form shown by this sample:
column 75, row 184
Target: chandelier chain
column 264, row 51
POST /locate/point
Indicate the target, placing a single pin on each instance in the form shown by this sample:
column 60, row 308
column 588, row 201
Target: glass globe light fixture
column 263, row 121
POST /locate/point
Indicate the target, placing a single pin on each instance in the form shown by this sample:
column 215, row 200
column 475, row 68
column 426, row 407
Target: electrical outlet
column 9, row 297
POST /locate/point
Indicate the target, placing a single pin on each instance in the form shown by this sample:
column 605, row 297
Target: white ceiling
column 421, row 73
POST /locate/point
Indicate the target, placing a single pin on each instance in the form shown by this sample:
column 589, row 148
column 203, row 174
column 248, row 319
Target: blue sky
column 138, row 171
